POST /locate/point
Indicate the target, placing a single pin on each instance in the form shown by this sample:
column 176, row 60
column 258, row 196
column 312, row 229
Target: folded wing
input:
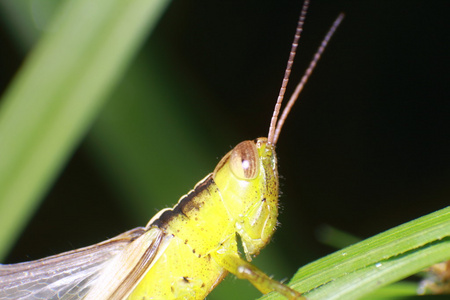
column 69, row 276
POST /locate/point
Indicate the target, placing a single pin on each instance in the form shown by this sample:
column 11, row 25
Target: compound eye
column 244, row 160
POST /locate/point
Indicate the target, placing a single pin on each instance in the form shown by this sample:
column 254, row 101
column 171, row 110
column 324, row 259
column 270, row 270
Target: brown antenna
column 275, row 124
column 287, row 72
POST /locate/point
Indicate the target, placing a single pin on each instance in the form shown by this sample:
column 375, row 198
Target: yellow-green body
column 182, row 253
column 202, row 228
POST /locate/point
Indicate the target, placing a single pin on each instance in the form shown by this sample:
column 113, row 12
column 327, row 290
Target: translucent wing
column 71, row 275
column 125, row 271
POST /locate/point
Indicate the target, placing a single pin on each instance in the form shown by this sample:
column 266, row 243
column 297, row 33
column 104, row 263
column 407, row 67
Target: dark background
column 366, row 148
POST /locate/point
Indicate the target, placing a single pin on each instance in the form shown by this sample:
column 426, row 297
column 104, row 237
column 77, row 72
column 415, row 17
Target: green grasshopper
column 184, row 251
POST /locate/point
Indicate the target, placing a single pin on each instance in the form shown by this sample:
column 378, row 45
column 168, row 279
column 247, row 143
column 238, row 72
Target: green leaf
column 375, row 262
column 57, row 94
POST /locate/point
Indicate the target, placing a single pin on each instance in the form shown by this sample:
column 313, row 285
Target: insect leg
column 244, row 270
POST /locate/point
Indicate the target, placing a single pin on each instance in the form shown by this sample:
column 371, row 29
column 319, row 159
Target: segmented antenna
column 276, row 125
column 287, row 72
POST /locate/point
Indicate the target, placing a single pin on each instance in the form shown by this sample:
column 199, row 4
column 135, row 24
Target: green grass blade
column 394, row 291
column 377, row 261
column 57, row 94
column 367, row 279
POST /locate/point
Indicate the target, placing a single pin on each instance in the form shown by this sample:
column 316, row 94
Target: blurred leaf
column 334, row 237
column 57, row 94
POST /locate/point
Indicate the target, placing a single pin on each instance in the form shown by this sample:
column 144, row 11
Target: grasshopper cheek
column 244, row 161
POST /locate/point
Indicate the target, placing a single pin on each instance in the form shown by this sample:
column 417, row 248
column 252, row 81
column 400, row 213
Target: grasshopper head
column 247, row 178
